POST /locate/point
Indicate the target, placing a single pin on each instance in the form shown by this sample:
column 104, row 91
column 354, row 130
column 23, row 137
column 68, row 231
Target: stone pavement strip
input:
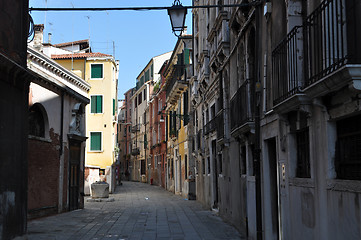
column 139, row 211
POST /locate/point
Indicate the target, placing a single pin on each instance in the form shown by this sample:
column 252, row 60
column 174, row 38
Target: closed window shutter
column 95, row 141
column 96, row 71
column 93, row 104
column 147, row 76
column 113, row 107
column 186, row 56
column 99, row 104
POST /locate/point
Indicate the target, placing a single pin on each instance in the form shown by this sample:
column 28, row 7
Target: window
column 185, row 108
column 96, row 104
column 185, row 167
column 151, row 71
column 145, row 94
column 348, row 145
column 300, row 131
column 208, row 165
column 36, row 121
column 140, row 98
column 95, row 141
column 96, row 71
column 203, row 166
column 147, row 76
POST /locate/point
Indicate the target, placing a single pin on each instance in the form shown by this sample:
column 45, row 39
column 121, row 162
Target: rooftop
column 79, row 55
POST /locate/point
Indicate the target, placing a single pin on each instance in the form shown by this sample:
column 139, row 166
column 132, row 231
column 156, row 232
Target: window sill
column 95, row 151
column 302, row 182
column 39, row 138
column 344, row 185
column 96, row 78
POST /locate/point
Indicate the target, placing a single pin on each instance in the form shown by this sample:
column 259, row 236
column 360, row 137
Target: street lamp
column 177, row 14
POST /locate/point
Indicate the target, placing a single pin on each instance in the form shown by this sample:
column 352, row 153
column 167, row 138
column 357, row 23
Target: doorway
column 273, row 183
column 74, row 178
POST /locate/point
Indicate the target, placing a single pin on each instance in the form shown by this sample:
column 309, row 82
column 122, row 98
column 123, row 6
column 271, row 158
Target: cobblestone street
column 139, row 211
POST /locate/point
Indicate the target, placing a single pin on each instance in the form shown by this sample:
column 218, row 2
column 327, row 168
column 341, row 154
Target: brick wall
column 43, row 176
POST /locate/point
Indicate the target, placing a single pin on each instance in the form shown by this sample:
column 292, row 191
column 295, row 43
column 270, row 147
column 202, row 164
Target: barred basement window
column 348, row 145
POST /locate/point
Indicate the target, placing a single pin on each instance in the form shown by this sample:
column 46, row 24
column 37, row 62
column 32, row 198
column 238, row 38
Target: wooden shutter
column 95, row 141
column 97, row 71
column 113, row 107
column 186, row 56
column 93, row 104
column 99, row 105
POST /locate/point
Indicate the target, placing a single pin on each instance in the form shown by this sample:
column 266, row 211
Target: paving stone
column 139, row 211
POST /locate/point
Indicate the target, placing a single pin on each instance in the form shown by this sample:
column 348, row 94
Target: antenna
column 89, row 28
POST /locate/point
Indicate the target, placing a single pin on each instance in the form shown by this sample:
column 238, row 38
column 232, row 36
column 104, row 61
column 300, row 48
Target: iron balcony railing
column 242, row 106
column 326, row 39
column 135, row 128
column 135, row 151
column 287, row 60
column 210, row 126
column 325, row 43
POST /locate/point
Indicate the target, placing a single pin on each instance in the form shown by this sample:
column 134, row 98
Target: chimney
column 49, row 38
column 37, row 42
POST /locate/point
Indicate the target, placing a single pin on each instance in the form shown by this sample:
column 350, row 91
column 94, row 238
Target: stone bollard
column 100, row 190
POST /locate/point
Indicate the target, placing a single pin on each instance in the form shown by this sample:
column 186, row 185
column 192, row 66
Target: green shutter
column 147, row 76
column 93, row 104
column 99, row 104
column 185, row 108
column 97, row 71
column 95, row 141
column 113, row 107
column 141, row 81
column 186, row 56
column 151, row 71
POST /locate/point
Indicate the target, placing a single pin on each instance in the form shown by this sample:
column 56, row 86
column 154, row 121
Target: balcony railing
column 325, row 43
column 210, row 126
column 135, row 151
column 287, row 66
column 326, row 40
column 135, row 128
column 241, row 106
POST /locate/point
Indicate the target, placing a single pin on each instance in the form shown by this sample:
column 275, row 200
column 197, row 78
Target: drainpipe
column 257, row 153
column 61, row 124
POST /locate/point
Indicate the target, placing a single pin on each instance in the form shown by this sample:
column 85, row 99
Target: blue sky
column 138, row 35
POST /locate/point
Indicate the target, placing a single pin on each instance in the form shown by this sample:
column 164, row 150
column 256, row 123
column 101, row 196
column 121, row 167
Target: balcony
column 135, row 151
column 242, row 117
column 177, row 84
column 322, row 56
column 210, row 126
column 135, row 128
column 333, row 51
column 289, row 84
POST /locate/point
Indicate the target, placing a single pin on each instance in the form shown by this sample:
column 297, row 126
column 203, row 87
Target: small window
column 147, row 76
column 96, row 71
column 95, row 141
column 36, row 121
column 96, row 103
column 140, row 98
column 145, row 94
column 348, row 145
column 208, row 165
column 114, row 107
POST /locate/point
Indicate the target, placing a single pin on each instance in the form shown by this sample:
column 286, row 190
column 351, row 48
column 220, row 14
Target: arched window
column 36, row 121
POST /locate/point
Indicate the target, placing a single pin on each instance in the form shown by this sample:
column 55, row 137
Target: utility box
column 100, row 190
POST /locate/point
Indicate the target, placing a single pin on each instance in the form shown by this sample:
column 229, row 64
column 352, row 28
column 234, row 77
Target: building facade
column 101, row 72
column 274, row 96
column 180, row 167
column 140, row 159
column 57, row 100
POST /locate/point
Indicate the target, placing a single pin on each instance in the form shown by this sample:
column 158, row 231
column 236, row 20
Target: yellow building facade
column 101, row 72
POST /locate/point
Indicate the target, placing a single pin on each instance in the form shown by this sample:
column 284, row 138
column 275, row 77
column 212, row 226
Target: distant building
column 101, row 72
column 180, row 165
column 140, row 160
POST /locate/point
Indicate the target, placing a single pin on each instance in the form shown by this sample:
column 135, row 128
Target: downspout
column 257, row 152
column 61, row 156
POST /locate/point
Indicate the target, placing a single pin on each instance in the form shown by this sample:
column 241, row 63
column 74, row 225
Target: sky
column 137, row 36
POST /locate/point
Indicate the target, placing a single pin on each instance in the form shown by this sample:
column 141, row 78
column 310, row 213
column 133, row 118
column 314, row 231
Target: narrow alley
column 139, row 211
